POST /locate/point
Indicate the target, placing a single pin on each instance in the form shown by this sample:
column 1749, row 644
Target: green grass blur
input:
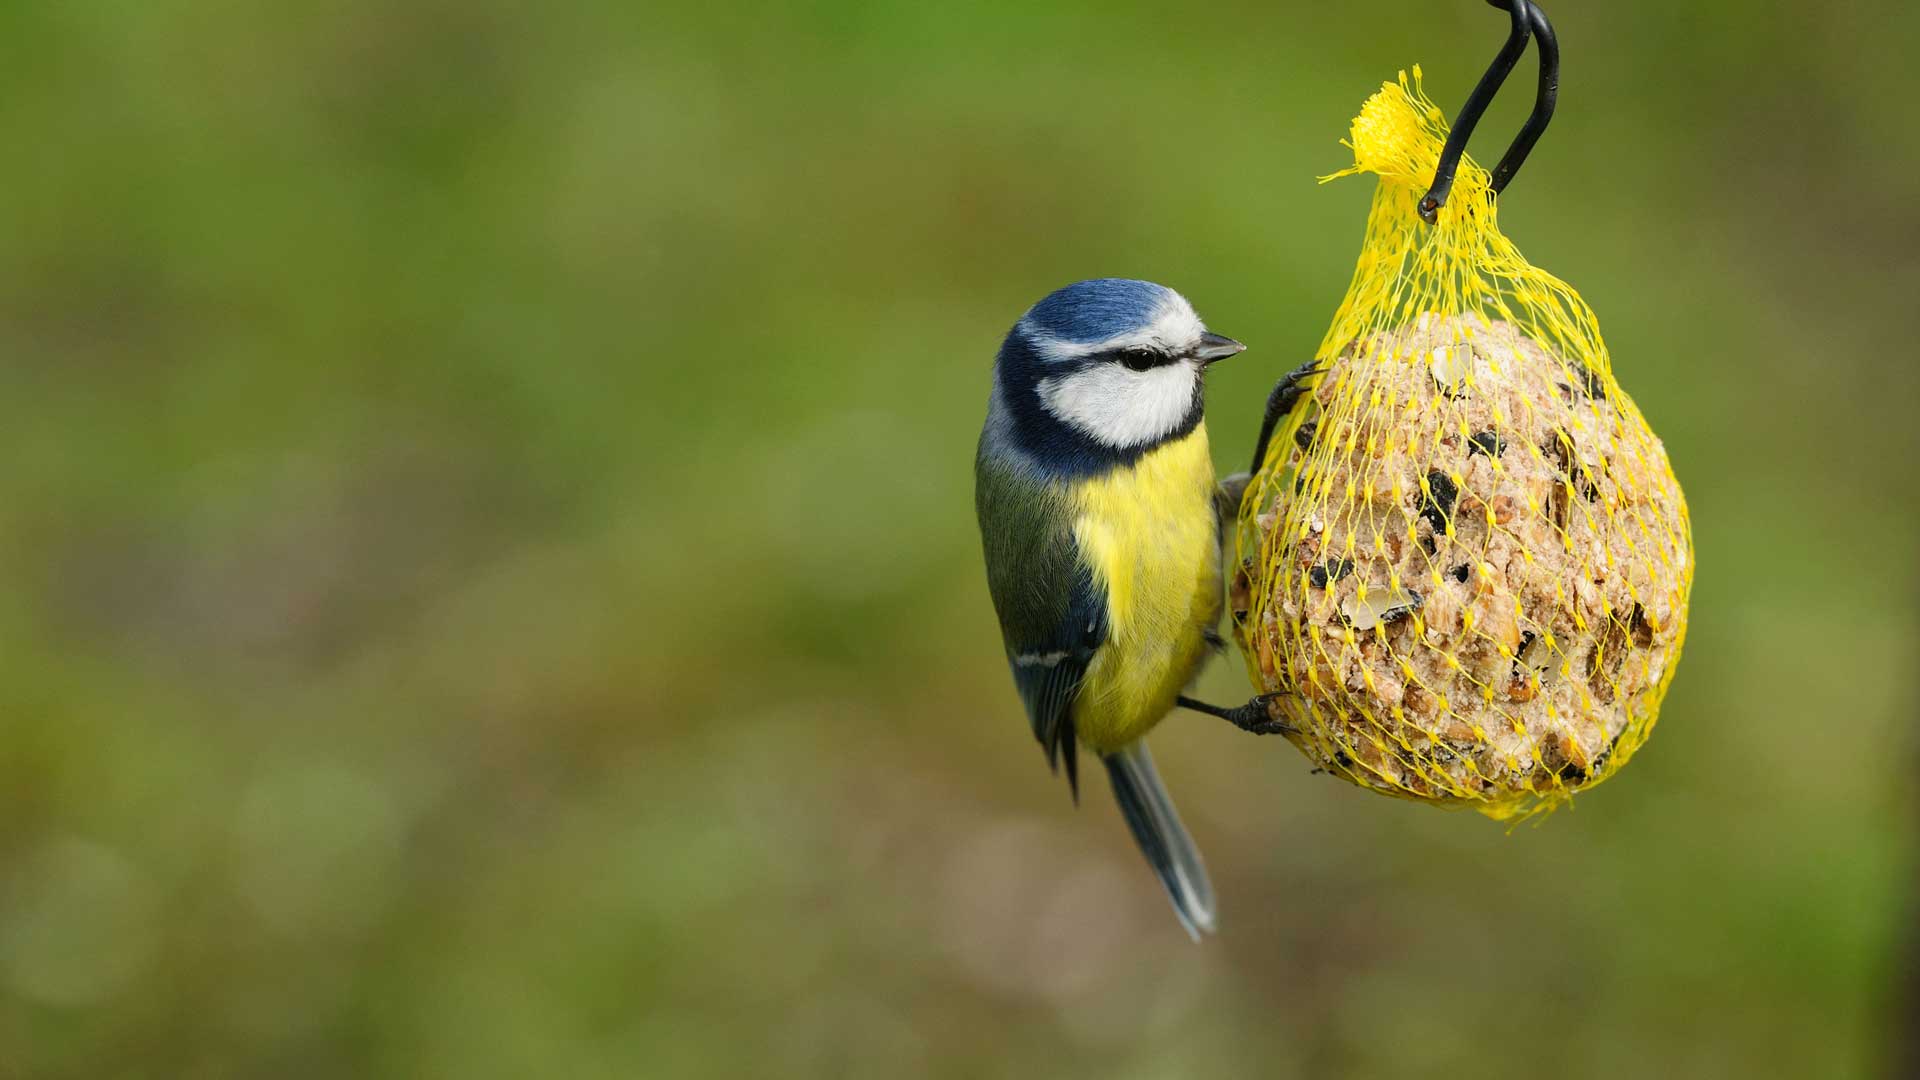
column 492, row 589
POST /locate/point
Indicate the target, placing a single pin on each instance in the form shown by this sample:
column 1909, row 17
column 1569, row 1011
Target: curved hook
column 1545, row 97
column 1526, row 18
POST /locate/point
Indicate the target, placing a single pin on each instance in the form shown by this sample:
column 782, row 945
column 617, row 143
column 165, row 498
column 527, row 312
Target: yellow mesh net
column 1464, row 564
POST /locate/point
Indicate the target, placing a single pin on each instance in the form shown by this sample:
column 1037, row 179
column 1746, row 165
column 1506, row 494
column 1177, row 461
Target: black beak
column 1214, row 348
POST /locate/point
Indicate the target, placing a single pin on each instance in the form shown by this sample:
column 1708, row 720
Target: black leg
column 1279, row 402
column 1251, row 717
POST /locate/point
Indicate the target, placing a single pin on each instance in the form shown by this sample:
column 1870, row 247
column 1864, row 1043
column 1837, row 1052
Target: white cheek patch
column 1121, row 407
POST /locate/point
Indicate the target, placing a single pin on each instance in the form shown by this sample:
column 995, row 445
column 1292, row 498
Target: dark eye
column 1141, row 359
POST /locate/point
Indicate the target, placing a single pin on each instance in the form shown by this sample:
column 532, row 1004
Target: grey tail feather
column 1156, row 827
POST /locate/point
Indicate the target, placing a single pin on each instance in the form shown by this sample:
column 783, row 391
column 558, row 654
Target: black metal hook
column 1526, row 18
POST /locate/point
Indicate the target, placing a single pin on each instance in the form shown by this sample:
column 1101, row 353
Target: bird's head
column 1111, row 362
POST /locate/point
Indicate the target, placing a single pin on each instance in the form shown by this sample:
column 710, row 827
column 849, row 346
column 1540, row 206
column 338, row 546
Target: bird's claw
column 1254, row 717
column 1280, row 401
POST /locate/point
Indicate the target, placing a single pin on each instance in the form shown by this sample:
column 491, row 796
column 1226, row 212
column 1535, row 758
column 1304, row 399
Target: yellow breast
column 1148, row 532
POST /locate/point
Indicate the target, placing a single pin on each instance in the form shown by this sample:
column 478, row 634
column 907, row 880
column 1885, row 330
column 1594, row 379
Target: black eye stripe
column 1139, row 359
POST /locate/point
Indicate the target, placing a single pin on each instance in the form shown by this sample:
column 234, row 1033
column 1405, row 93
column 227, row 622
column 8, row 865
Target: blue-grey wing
column 1048, row 669
column 1053, row 616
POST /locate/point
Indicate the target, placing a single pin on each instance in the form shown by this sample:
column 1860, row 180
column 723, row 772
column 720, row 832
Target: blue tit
column 1097, row 501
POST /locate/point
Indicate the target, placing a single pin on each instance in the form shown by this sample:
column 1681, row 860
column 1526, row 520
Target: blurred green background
column 492, row 588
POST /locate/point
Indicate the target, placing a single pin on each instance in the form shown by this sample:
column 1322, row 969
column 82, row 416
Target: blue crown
column 1089, row 311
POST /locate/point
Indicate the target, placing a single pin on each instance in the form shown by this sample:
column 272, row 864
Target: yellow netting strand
column 1465, row 561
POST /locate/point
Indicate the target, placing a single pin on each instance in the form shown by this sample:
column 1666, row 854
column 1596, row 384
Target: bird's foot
column 1252, row 717
column 1280, row 401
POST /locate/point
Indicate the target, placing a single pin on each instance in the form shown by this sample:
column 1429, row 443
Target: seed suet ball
column 1466, row 574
